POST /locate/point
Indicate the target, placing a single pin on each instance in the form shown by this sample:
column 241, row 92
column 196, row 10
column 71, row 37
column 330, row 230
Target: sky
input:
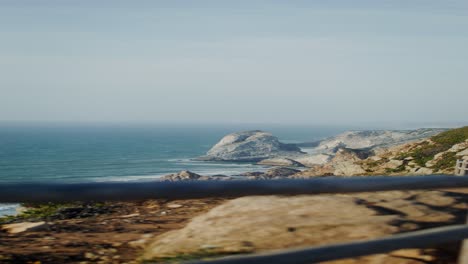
column 308, row 62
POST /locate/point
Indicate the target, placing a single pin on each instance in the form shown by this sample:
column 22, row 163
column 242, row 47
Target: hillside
column 435, row 155
column 370, row 139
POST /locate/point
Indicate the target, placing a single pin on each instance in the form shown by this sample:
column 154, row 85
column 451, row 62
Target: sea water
column 96, row 153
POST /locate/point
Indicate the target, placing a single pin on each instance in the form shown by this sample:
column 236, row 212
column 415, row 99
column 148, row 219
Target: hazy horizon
column 247, row 62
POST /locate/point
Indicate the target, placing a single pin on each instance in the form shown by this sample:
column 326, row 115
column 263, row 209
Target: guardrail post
column 463, row 257
column 461, row 168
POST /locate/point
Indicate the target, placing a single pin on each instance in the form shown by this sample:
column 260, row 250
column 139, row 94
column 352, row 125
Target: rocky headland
column 266, row 149
column 423, row 152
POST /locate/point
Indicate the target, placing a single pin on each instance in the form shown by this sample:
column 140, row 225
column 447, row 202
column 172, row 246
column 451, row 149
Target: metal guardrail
column 417, row 239
column 119, row 191
column 461, row 168
column 53, row 192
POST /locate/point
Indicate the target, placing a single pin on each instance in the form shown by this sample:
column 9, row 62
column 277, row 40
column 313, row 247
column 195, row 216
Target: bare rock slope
column 372, row 139
column 253, row 146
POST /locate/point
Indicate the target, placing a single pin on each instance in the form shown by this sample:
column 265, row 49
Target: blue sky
column 313, row 62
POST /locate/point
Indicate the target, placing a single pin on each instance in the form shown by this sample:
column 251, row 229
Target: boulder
column 181, row 176
column 348, row 169
column 459, row 147
column 274, row 173
column 252, row 146
column 217, row 177
column 345, row 163
column 248, row 224
column 190, row 176
column 463, row 153
column 393, row 164
column 280, row 162
column 311, row 160
column 252, row 174
column 281, row 172
column 314, row 172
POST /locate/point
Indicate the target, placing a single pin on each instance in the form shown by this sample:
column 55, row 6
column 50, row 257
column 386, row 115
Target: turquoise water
column 83, row 153
column 112, row 153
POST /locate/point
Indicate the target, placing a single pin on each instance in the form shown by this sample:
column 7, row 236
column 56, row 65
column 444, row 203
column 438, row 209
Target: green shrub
column 451, row 137
column 447, row 161
column 442, row 142
column 43, row 211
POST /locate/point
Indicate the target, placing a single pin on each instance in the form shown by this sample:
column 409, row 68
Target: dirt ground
column 115, row 233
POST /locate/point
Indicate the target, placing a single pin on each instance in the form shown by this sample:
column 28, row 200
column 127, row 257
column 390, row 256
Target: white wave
column 230, row 171
column 309, row 150
column 215, row 164
column 127, row 178
column 8, row 209
column 181, row 160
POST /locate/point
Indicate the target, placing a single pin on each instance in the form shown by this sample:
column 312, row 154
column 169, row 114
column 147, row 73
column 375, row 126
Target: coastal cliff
column 353, row 153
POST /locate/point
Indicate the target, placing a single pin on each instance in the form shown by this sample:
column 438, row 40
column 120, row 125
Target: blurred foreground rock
column 25, row 226
column 256, row 224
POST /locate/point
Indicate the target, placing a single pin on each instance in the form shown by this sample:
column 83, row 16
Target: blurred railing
column 461, row 169
column 120, row 191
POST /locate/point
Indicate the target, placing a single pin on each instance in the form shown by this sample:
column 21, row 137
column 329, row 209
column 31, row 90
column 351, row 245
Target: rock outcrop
column 280, row 162
column 252, row 146
column 263, row 147
column 181, row 176
column 436, row 154
column 312, row 160
column 274, row 173
column 248, row 224
column 371, row 139
column 191, row 176
column 344, row 163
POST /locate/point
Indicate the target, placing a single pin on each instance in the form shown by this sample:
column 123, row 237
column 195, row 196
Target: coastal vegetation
column 50, row 211
column 435, row 154
column 440, row 143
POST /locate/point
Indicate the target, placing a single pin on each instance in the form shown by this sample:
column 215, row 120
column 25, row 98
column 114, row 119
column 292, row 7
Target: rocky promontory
column 266, row 149
column 251, row 146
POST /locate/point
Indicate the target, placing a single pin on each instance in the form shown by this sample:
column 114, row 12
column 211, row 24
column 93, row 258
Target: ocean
column 96, row 153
